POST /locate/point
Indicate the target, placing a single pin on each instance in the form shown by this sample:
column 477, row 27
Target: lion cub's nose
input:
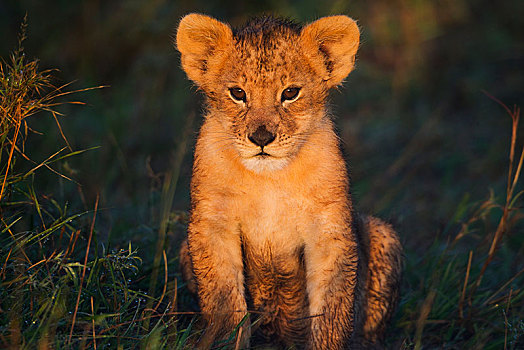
column 261, row 136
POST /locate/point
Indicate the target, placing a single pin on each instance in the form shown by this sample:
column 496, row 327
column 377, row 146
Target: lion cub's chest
column 272, row 217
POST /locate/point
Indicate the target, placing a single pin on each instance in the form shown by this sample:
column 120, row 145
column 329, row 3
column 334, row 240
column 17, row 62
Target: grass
column 68, row 281
column 59, row 288
column 466, row 297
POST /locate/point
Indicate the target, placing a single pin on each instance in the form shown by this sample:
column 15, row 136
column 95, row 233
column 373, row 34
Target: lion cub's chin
column 263, row 164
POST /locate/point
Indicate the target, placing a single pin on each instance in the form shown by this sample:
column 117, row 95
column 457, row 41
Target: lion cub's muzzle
column 262, row 136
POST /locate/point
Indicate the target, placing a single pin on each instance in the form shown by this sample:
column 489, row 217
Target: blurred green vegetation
column 426, row 145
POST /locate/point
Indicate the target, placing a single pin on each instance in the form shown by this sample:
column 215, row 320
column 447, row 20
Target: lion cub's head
column 266, row 83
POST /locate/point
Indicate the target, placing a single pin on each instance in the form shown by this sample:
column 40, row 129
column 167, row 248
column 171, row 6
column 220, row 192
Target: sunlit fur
column 273, row 229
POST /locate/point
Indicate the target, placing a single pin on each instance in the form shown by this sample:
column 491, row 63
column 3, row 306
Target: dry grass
column 459, row 299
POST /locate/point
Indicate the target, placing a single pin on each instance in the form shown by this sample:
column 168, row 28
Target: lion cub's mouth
column 262, row 154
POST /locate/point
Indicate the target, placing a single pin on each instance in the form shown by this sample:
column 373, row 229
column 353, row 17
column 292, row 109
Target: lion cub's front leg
column 332, row 266
column 218, row 270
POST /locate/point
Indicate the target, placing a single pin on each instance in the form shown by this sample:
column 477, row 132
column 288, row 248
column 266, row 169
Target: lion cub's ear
column 200, row 38
column 336, row 39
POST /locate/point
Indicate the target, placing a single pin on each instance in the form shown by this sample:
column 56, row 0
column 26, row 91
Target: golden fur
column 272, row 226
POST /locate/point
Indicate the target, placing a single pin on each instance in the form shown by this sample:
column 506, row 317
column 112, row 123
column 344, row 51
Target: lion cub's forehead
column 267, row 43
column 267, row 26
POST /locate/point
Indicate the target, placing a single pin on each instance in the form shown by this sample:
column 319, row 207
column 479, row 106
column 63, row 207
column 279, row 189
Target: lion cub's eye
column 289, row 94
column 237, row 94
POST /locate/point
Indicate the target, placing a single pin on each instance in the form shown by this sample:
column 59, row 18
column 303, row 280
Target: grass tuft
column 59, row 288
column 461, row 294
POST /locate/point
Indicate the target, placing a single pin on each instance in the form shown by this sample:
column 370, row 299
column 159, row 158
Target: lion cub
column 273, row 231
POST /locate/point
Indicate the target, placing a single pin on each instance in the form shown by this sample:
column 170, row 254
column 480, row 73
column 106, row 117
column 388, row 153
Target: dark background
column 420, row 133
